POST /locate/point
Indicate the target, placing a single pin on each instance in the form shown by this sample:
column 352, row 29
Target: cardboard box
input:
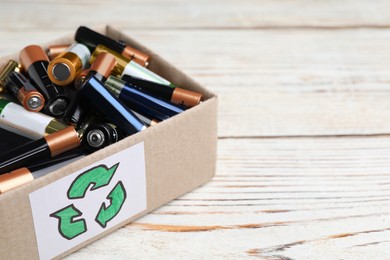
column 177, row 155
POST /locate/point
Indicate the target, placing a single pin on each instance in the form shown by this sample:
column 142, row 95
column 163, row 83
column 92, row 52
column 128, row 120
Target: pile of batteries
column 85, row 97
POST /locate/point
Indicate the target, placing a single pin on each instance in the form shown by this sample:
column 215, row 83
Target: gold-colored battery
column 121, row 61
column 7, row 69
column 64, row 68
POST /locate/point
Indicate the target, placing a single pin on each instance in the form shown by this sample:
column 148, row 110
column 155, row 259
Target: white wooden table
column 304, row 122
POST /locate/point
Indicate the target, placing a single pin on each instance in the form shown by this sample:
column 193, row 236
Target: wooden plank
column 278, row 82
column 278, row 198
column 192, row 14
column 288, row 82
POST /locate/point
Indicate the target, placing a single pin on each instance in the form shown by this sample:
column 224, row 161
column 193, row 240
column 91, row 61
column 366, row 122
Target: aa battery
column 140, row 101
column 14, row 179
column 92, row 39
column 35, row 62
column 24, row 175
column 40, row 149
column 129, row 67
column 108, row 105
column 100, row 135
column 11, row 138
column 25, row 92
column 10, row 66
column 30, row 124
column 63, row 69
column 175, row 95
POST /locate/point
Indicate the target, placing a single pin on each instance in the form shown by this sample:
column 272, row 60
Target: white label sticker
column 85, row 203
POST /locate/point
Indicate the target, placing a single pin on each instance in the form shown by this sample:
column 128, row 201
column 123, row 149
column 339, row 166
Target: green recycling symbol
column 97, row 177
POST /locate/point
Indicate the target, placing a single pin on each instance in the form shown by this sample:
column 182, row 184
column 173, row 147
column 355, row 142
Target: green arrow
column 67, row 227
column 117, row 197
column 98, row 176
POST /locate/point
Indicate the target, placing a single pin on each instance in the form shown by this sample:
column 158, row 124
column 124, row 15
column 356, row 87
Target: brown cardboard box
column 180, row 155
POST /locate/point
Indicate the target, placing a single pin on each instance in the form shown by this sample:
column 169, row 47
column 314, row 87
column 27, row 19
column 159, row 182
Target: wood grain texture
column 293, row 198
column 304, row 150
column 290, row 82
column 53, row 15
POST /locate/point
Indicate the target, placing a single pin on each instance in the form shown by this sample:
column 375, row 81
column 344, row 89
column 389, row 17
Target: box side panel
column 181, row 154
column 17, row 233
